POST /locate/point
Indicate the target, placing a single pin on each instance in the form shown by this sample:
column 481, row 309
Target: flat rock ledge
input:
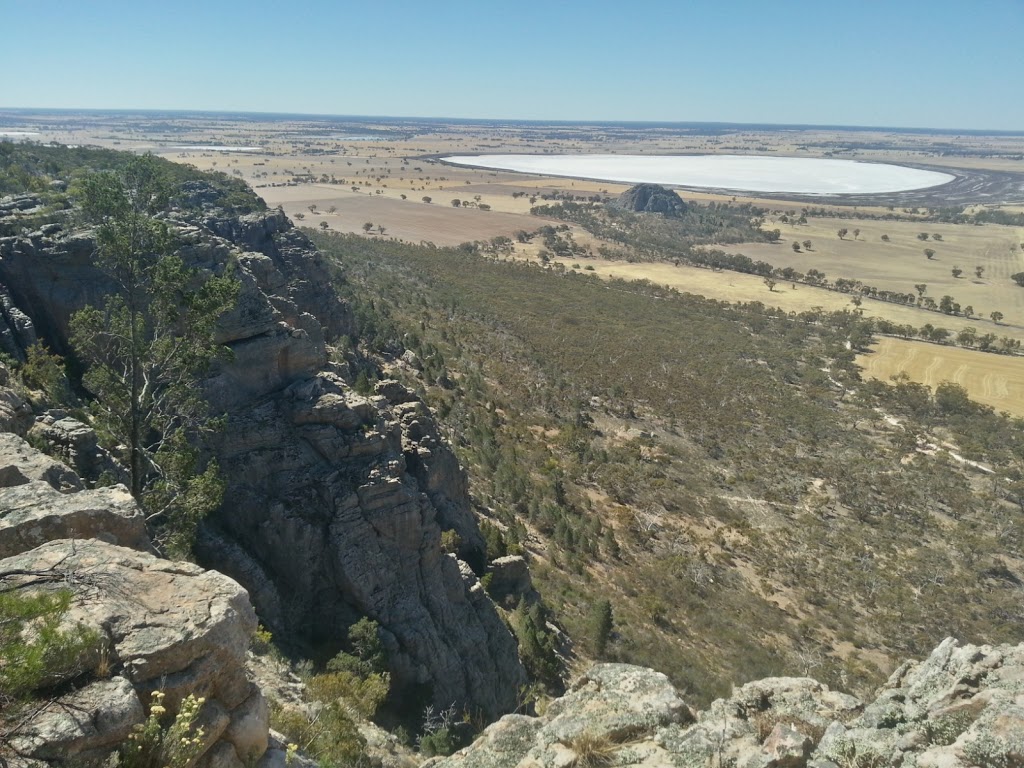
column 42, row 499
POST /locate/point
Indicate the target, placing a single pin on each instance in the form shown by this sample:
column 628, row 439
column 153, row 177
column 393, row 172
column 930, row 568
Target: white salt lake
column 749, row 173
column 215, row 148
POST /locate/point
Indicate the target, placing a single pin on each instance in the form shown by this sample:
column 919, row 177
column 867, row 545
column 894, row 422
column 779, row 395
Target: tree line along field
column 900, row 263
column 736, row 286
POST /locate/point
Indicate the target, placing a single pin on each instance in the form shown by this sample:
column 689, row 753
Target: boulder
column 510, row 579
column 962, row 707
column 613, row 707
column 78, row 446
column 20, row 463
column 34, row 513
column 15, row 414
column 83, row 725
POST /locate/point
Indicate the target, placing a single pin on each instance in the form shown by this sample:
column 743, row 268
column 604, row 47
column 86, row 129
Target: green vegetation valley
column 719, row 473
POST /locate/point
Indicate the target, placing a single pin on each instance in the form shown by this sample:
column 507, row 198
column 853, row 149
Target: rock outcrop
column 77, row 445
column 163, row 625
column 962, row 707
column 336, row 502
column 160, row 625
column 650, row 198
column 337, row 507
column 511, row 580
column 42, row 500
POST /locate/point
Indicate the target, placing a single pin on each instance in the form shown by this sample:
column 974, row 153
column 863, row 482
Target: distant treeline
column 27, row 167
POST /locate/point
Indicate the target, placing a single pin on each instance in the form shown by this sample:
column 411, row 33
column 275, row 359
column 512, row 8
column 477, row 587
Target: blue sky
column 862, row 62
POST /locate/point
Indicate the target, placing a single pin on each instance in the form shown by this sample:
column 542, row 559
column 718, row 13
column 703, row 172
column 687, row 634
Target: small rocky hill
column 963, row 706
column 650, row 198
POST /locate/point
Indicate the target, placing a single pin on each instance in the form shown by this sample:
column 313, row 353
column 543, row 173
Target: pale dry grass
column 995, row 380
column 736, row 286
column 590, row 750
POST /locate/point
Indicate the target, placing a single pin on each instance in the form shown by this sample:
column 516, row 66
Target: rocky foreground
column 963, row 706
column 161, row 625
column 178, row 628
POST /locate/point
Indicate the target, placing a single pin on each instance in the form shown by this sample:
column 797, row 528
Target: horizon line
column 533, row 121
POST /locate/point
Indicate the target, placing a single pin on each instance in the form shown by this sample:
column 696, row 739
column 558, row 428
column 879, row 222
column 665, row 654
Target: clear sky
column 911, row 63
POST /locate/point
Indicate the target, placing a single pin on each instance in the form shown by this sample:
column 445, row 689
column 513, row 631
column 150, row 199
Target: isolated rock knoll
column 650, row 198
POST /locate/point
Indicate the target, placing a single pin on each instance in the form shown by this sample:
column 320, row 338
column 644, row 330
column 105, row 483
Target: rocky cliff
column 963, row 706
column 335, row 502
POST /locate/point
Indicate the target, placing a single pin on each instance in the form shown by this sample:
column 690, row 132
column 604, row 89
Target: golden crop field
column 736, row 286
column 995, row 380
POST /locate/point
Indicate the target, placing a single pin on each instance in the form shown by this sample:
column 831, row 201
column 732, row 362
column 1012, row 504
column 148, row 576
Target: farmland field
column 900, row 263
column 994, row 380
column 736, row 286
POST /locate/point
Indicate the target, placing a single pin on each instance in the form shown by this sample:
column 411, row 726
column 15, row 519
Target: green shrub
column 330, row 736
column 36, row 651
column 362, row 694
column 45, row 372
column 451, row 542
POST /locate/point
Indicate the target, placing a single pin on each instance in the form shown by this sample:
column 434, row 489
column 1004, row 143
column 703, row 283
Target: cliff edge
column 336, row 501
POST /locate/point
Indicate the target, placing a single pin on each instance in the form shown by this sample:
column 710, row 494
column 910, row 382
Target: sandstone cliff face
column 963, row 706
column 336, row 502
